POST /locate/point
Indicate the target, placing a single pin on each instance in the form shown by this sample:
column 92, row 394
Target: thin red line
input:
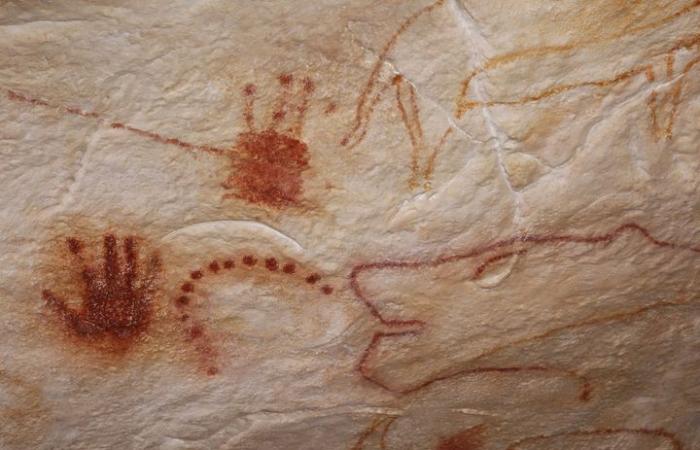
column 604, row 239
column 17, row 97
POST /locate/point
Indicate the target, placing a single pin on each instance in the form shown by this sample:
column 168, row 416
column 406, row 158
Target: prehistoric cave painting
column 267, row 163
column 423, row 155
column 666, row 105
column 534, row 52
column 451, row 291
column 116, row 295
column 469, row 439
column 600, row 438
column 422, row 168
column 454, row 431
column 373, row 90
column 268, row 270
column 375, row 437
column 150, row 135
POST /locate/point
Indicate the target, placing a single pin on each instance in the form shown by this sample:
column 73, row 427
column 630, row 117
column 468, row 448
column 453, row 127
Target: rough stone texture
column 357, row 224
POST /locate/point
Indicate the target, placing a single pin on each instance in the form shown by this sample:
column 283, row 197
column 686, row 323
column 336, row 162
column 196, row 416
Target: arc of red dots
column 271, row 264
column 195, row 331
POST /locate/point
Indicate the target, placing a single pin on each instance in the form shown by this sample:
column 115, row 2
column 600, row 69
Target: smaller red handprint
column 268, row 163
column 117, row 298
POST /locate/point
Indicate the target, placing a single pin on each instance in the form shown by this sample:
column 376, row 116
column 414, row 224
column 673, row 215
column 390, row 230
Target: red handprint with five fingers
column 116, row 297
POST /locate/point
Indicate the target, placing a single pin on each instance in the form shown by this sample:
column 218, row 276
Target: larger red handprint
column 116, row 303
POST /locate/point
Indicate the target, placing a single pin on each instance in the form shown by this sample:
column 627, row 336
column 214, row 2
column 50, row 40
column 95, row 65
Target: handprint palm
column 116, row 298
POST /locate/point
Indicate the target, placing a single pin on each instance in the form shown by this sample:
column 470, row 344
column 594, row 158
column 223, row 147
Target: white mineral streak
column 350, row 224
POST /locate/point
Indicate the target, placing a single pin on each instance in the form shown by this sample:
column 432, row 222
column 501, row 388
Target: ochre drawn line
column 556, row 90
column 371, row 93
column 266, row 164
column 195, row 332
column 168, row 141
column 665, row 132
column 470, row 439
column 554, row 49
column 16, row 97
column 660, row 433
column 363, row 367
column 412, row 124
column 430, row 164
column 414, row 327
column 474, row 436
column 368, row 98
column 410, row 116
column 612, row 318
column 380, row 422
column 536, row 239
column 494, row 259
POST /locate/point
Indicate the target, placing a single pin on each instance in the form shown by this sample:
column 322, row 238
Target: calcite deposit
column 350, row 225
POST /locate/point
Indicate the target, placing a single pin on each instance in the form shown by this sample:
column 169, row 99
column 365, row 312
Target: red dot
column 74, row 245
column 289, row 268
column 249, row 260
column 214, row 266
column 249, row 89
column 196, row 332
column 183, row 300
column 286, row 79
column 308, row 85
column 187, row 287
column 211, row 371
column 313, row 278
column 327, row 289
column 271, row 264
column 196, row 275
column 229, row 264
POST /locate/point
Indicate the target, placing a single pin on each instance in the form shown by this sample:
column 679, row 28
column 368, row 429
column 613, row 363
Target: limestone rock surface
column 350, row 224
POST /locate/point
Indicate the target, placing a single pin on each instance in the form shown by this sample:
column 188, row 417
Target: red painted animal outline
column 659, row 433
column 278, row 116
column 472, row 436
column 659, row 131
column 374, row 89
column 396, row 328
column 380, row 427
column 194, row 328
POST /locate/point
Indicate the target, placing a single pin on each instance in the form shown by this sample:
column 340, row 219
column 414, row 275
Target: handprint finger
column 111, row 261
column 67, row 314
column 131, row 264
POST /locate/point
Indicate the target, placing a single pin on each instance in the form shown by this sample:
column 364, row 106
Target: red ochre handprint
column 436, row 315
column 116, row 297
column 268, row 163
